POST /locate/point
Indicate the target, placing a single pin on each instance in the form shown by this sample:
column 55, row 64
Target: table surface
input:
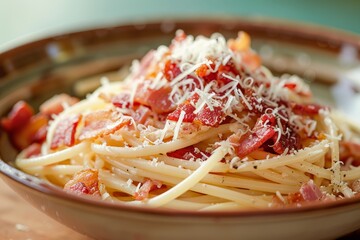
column 26, row 222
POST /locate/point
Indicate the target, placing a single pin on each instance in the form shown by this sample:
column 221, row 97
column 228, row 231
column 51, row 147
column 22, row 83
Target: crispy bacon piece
column 84, row 182
column 19, row 115
column 159, row 100
column 32, row 131
column 55, row 105
column 148, row 186
column 32, row 150
column 296, row 197
column 205, row 72
column 306, row 109
column 228, row 69
column 350, row 151
column 142, row 94
column 121, row 100
column 171, row 70
column 310, row 192
column 141, row 114
column 101, row 123
column 241, row 43
column 208, row 117
column 290, row 85
column 64, row 134
column 290, row 141
column 188, row 108
column 188, row 153
column 262, row 131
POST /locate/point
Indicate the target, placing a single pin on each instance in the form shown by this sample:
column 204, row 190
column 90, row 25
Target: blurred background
column 22, row 20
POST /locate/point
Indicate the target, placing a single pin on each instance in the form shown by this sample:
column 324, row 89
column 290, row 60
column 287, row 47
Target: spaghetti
column 198, row 125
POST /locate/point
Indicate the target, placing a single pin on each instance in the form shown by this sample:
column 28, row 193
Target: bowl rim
column 9, row 172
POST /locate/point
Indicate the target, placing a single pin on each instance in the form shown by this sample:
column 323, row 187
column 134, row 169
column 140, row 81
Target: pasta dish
column 200, row 124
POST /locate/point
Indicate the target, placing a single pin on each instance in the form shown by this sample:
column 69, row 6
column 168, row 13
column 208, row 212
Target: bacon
column 295, row 198
column 212, row 118
column 30, row 132
column 188, row 153
column 188, row 108
column 84, row 182
column 350, row 151
column 19, row 115
column 228, row 69
column 121, row 100
column 205, row 72
column 55, row 105
column 141, row 114
column 206, row 116
column 159, row 100
column 142, row 94
column 64, row 134
column 355, row 186
column 306, row 109
column 148, row 186
column 171, row 70
column 241, row 43
column 32, row 150
column 290, row 86
column 103, row 122
column 290, row 141
column 310, row 192
column 262, row 131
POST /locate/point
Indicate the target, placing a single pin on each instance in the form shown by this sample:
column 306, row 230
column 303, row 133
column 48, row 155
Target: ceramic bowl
column 75, row 62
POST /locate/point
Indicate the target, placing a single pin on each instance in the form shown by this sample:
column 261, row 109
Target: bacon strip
column 157, row 99
column 206, row 116
column 306, row 109
column 65, row 132
column 32, row 150
column 188, row 153
column 101, row 123
column 212, row 118
column 141, row 114
column 84, row 182
column 310, row 192
column 189, row 112
column 148, row 186
column 121, row 100
column 262, row 131
column 19, row 115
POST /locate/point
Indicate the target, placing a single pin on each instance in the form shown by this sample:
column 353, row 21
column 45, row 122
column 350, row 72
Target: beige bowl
column 75, row 62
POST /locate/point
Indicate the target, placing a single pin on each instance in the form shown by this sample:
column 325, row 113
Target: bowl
column 74, row 63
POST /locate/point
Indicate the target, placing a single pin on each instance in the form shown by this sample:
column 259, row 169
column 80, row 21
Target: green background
column 28, row 19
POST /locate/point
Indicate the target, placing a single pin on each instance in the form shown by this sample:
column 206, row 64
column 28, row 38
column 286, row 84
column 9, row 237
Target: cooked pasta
column 197, row 125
